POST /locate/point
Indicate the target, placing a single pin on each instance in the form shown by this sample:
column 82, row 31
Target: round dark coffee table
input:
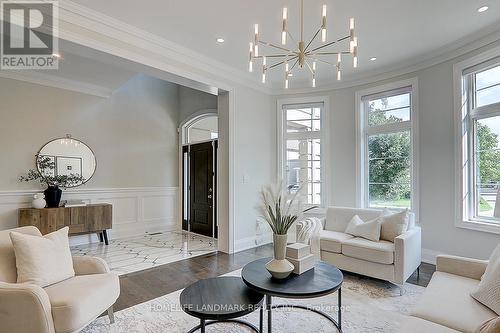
column 324, row 279
column 221, row 299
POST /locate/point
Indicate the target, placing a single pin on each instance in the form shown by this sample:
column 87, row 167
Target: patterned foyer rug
column 369, row 306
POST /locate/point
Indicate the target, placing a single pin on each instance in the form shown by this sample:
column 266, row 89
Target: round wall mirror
column 67, row 159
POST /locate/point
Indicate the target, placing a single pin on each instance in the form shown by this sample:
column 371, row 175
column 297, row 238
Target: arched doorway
column 199, row 143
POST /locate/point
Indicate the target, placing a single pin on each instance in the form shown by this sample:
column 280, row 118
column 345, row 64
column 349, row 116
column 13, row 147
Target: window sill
column 479, row 225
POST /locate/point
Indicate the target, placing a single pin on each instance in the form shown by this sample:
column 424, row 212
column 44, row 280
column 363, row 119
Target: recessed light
column 482, row 9
column 220, row 40
column 373, row 58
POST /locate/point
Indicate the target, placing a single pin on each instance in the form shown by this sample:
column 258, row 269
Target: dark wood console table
column 96, row 218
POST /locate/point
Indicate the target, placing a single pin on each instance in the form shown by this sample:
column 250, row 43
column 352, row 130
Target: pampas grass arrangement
column 279, row 208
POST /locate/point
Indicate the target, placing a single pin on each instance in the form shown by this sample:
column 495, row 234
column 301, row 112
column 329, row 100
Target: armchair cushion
column 43, row 260
column 79, row 300
column 447, row 301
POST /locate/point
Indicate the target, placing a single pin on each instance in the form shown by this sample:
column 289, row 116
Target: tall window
column 301, row 140
column 386, row 149
column 481, row 145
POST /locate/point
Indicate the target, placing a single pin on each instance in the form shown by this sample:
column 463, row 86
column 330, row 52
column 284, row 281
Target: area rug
column 369, row 306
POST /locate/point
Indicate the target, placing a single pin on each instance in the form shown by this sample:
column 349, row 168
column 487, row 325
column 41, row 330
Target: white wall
column 192, row 101
column 436, row 163
column 133, row 134
column 255, row 159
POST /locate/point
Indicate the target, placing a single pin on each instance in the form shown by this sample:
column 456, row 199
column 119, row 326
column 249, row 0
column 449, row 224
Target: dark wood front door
column 202, row 193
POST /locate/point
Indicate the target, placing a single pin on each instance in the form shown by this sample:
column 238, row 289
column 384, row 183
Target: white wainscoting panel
column 135, row 210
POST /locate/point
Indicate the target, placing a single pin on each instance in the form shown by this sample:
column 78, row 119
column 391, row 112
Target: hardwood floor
column 145, row 285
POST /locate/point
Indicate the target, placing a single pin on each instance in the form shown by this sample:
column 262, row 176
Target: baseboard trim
column 251, row 242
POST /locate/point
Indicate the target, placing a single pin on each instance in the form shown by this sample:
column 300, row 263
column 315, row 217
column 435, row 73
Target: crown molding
column 142, row 45
column 156, row 47
column 56, row 82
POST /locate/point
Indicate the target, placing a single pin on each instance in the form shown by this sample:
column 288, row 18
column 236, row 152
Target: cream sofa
column 446, row 305
column 393, row 262
column 64, row 307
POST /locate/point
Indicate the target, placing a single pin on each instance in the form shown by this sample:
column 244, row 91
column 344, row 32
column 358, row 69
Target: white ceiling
column 398, row 32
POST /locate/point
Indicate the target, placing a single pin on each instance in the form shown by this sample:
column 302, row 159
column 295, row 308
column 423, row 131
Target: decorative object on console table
column 95, row 218
column 280, row 209
column 38, row 202
column 300, row 256
column 53, row 196
column 74, row 203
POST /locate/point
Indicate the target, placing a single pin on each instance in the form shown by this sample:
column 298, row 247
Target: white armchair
column 64, row 307
column 393, row 262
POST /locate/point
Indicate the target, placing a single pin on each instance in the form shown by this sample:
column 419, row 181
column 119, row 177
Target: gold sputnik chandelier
column 303, row 55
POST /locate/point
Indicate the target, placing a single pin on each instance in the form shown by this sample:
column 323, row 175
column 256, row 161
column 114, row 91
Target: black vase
column 53, row 196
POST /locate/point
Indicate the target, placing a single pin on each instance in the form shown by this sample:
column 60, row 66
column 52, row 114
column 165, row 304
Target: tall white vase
column 279, row 267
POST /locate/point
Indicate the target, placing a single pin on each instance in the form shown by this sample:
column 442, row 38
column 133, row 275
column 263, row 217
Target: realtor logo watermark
column 29, row 33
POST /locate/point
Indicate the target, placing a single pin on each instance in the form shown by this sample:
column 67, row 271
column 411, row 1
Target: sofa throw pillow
column 488, row 290
column 43, row 260
column 369, row 230
column 490, row 326
column 393, row 225
column 495, row 257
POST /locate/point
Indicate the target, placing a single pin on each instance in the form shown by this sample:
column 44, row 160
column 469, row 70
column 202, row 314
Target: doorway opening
column 199, row 137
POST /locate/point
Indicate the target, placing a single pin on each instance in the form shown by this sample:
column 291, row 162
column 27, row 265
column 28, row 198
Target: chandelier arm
column 275, row 46
column 331, row 43
column 291, row 37
column 328, row 53
column 272, row 56
column 312, row 39
column 293, row 66
column 281, row 62
column 309, row 66
column 326, row 62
